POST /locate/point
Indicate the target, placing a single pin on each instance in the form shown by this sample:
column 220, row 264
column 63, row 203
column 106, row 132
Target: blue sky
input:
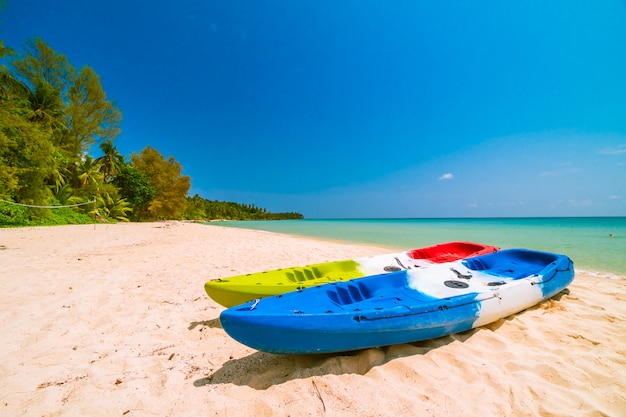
column 363, row 108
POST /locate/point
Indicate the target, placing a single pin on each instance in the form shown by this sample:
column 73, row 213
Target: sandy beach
column 113, row 320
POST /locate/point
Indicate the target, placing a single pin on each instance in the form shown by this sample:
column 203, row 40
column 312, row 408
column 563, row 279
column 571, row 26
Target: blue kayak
column 400, row 307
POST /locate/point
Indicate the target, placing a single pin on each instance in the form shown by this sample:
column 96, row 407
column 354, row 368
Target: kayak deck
column 236, row 290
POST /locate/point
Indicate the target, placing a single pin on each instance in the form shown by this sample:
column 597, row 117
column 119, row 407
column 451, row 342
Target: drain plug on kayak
column 456, row 284
column 392, row 268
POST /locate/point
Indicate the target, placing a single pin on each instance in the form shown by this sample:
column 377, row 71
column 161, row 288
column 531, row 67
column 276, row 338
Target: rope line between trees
column 47, row 207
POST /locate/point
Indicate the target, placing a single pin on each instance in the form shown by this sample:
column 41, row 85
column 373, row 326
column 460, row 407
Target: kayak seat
column 347, row 294
column 337, row 271
column 363, row 289
column 442, row 253
column 302, row 274
column 512, row 263
column 445, row 257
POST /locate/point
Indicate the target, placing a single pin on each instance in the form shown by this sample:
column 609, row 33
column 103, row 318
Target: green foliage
column 111, row 162
column 45, row 136
column 114, row 207
column 50, row 116
column 90, row 117
column 166, row 177
column 65, row 216
column 199, row 208
column 134, row 187
column 40, row 62
column 65, row 195
column 13, row 216
column 87, row 177
column 26, row 161
column 71, row 105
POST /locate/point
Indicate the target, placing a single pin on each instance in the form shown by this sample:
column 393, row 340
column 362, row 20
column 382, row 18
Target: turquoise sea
column 586, row 240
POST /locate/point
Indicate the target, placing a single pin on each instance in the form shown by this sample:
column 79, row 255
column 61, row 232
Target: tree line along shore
column 52, row 115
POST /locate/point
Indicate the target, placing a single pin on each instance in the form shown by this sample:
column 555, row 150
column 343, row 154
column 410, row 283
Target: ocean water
column 586, row 240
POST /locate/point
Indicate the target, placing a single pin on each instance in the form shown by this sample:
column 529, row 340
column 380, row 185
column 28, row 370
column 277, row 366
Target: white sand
column 113, row 320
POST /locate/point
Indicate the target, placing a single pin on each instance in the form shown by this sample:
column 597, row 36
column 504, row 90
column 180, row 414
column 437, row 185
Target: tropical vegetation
column 51, row 117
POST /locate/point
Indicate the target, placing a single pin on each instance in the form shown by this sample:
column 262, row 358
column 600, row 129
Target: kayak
column 239, row 289
column 400, row 307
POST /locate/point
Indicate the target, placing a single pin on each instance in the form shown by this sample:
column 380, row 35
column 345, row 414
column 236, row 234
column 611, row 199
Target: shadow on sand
column 262, row 370
column 213, row 323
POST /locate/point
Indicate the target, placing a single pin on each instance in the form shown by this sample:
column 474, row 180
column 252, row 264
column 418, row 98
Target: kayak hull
column 400, row 307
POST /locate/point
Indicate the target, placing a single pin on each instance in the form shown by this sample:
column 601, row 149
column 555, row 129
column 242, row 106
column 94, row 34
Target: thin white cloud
column 447, row 176
column 565, row 169
column 614, row 151
column 615, row 197
column 581, row 203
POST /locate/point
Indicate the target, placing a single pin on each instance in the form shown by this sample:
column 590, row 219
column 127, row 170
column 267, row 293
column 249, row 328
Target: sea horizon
column 596, row 244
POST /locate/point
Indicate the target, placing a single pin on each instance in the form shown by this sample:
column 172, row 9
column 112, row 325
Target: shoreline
column 601, row 274
column 112, row 319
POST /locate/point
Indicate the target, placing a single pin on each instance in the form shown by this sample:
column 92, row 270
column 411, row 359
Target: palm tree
column 113, row 206
column 111, row 162
column 29, row 119
column 11, row 86
column 41, row 103
column 88, row 172
column 65, row 195
column 86, row 178
column 45, row 106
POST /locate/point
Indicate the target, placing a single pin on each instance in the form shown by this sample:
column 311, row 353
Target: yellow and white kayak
column 242, row 288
